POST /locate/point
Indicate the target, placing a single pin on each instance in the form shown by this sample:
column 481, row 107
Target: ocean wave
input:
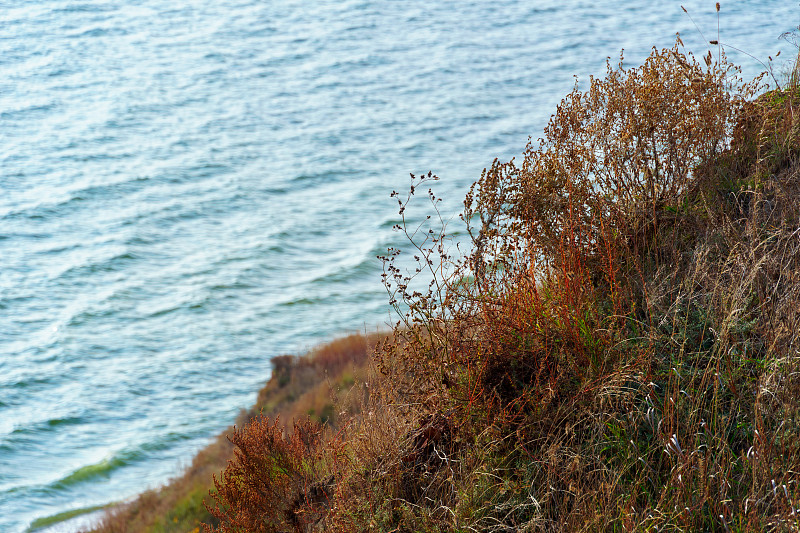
column 45, row 426
column 349, row 272
column 107, row 466
column 110, row 263
column 102, row 468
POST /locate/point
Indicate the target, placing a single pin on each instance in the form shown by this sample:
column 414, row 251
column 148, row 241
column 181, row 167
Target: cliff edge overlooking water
column 617, row 350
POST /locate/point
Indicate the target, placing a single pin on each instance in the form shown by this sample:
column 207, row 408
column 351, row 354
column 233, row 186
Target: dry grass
column 618, row 351
column 617, row 340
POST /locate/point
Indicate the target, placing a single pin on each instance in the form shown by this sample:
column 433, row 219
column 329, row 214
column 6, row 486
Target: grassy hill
column 617, row 351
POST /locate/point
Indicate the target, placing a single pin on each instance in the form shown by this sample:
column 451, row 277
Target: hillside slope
column 305, row 387
column 618, row 351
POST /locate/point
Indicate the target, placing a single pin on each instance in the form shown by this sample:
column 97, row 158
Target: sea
column 190, row 188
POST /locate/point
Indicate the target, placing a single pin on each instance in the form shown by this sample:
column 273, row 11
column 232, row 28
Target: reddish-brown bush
column 276, row 481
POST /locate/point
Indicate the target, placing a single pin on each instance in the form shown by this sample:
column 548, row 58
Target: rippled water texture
column 188, row 188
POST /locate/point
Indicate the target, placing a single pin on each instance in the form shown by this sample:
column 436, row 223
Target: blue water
column 189, row 188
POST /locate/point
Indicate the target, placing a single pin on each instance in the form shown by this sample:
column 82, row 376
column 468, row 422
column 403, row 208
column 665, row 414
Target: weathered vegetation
column 617, row 351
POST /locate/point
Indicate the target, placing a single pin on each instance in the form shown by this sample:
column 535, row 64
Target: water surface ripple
column 189, row 188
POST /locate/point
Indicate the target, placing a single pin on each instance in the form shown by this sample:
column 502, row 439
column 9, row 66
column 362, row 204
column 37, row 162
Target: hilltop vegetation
column 617, row 351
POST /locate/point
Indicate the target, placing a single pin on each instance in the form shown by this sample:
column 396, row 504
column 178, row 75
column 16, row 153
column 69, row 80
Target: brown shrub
column 275, row 481
column 621, row 332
